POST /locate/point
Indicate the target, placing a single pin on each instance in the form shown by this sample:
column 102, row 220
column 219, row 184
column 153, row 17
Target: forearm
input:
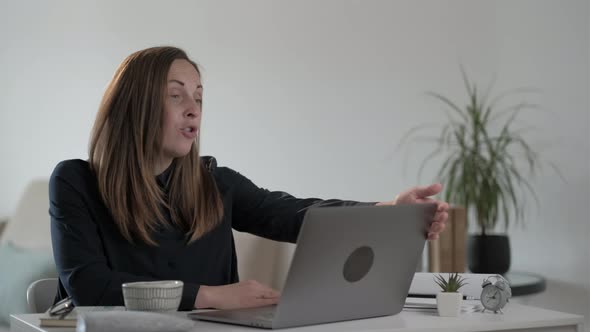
column 279, row 216
column 98, row 286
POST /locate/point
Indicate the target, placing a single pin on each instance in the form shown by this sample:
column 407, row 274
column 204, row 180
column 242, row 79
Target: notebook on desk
column 70, row 319
column 350, row 263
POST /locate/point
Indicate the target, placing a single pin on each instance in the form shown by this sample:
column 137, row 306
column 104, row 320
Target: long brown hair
column 125, row 144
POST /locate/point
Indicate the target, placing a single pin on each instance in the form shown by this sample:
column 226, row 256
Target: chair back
column 29, row 227
column 263, row 260
column 40, row 295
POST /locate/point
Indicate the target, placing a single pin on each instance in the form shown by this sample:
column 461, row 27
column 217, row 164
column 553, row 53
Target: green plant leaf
column 450, row 104
column 513, row 111
column 451, row 284
column 470, row 89
column 487, row 94
column 501, row 96
column 413, row 131
column 485, row 160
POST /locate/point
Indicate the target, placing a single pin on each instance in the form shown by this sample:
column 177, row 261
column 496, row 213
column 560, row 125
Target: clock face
column 491, row 298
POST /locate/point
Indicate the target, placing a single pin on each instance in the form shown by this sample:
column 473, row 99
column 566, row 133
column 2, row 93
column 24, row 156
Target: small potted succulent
column 448, row 301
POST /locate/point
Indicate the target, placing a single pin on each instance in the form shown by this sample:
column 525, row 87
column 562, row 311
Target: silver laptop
column 349, row 263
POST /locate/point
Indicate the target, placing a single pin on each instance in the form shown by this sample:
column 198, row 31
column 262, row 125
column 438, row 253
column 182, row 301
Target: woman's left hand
column 421, row 195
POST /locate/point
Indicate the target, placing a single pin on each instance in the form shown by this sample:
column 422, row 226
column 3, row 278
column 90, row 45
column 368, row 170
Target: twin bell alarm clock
column 495, row 293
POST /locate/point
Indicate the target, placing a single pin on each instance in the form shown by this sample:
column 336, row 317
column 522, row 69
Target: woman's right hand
column 244, row 294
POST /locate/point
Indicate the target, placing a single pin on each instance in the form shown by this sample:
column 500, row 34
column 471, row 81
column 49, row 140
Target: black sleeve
column 78, row 248
column 275, row 215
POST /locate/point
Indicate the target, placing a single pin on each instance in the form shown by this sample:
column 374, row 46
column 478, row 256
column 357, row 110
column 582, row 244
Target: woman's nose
column 193, row 110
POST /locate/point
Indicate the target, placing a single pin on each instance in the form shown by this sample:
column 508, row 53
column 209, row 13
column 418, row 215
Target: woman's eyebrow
column 182, row 83
column 176, row 81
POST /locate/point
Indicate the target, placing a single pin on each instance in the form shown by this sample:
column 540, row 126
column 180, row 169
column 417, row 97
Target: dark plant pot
column 488, row 254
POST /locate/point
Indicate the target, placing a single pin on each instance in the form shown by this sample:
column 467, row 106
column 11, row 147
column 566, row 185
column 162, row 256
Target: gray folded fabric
column 132, row 321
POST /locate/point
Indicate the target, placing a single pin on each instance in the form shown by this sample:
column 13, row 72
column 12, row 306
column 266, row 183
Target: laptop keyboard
column 269, row 315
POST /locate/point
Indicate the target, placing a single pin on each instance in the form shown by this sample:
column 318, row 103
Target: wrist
column 203, row 299
column 394, row 202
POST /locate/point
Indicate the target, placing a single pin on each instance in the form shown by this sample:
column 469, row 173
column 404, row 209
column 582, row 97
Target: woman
column 146, row 206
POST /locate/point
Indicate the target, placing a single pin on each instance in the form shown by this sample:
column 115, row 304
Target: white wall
column 311, row 97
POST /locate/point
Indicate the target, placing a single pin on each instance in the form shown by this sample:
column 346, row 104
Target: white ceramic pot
column 449, row 304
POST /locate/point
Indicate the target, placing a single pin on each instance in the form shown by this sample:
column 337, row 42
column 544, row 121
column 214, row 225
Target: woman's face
column 182, row 111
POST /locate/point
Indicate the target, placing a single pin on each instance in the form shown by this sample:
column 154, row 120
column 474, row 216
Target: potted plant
column 449, row 299
column 481, row 170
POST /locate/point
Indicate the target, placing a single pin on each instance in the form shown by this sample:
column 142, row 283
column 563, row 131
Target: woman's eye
column 176, row 98
column 198, row 101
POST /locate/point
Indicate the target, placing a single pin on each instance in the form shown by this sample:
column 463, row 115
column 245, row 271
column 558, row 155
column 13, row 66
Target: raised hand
column 422, row 195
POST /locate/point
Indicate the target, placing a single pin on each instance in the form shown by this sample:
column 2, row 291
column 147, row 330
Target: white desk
column 516, row 318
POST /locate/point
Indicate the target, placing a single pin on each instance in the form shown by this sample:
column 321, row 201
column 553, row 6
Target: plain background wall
column 312, row 97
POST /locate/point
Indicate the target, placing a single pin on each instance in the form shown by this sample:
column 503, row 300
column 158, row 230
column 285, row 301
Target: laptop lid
column 349, row 263
column 353, row 262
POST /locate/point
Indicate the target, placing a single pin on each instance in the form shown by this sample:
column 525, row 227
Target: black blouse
column 93, row 259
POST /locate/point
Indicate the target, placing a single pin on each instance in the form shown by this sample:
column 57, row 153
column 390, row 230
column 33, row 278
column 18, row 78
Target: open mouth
column 189, row 132
column 189, row 129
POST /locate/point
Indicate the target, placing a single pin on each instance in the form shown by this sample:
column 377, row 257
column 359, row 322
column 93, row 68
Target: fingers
column 442, row 206
column 270, row 294
column 441, row 217
column 274, row 293
column 261, row 295
column 435, row 230
column 244, row 294
column 268, row 298
column 425, row 200
column 431, row 190
column 436, row 227
column 432, row 236
column 264, row 302
column 257, row 302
